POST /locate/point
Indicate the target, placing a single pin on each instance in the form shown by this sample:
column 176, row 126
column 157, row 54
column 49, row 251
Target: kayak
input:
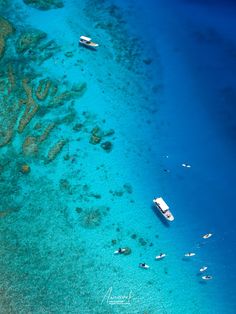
column 207, row 277
column 160, row 256
column 208, row 235
column 120, row 252
column 203, row 269
column 189, row 254
column 142, row 265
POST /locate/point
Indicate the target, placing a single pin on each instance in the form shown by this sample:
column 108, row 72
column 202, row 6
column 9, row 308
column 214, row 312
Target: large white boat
column 86, row 41
column 163, row 208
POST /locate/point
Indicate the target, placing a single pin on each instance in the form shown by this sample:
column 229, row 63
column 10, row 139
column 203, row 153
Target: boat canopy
column 85, row 38
column 161, row 203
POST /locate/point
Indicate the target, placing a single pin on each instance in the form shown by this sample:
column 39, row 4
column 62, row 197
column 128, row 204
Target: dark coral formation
column 107, row 146
column 31, row 107
column 45, row 4
column 34, row 45
column 55, row 150
column 6, row 29
column 29, row 40
column 76, row 91
column 97, row 135
column 91, row 217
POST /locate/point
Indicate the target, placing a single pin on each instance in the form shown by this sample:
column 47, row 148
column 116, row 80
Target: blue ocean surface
column 89, row 137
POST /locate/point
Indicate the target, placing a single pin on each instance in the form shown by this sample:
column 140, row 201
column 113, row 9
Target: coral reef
column 11, row 78
column 92, row 217
column 25, row 168
column 31, row 107
column 107, row 146
column 78, row 127
column 45, row 4
column 96, row 135
column 8, row 116
column 6, row 29
column 46, row 132
column 55, row 150
column 33, row 45
column 76, row 91
column 29, row 40
column 30, row 146
column 43, row 88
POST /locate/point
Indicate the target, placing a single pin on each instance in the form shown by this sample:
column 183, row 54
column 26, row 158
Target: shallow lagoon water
column 62, row 221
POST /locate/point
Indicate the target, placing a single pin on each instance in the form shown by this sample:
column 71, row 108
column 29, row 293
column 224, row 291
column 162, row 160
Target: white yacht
column 163, row 208
column 86, row 41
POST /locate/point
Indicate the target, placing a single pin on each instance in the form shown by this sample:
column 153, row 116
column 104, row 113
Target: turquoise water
column 110, row 131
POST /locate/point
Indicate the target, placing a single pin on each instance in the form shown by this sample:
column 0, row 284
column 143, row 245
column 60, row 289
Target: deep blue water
column 195, row 43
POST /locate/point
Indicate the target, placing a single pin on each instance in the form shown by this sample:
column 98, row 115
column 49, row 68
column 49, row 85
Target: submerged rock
column 107, row 146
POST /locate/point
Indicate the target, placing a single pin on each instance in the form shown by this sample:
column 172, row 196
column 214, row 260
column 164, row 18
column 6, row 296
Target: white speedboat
column 190, row 254
column 207, row 277
column 203, row 269
column 207, row 236
column 143, row 265
column 163, row 208
column 161, row 256
column 86, row 41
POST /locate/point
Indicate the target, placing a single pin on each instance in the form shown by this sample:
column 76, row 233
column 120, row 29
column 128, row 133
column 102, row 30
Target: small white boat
column 143, row 265
column 160, row 256
column 120, row 251
column 203, row 269
column 190, row 254
column 208, row 235
column 186, row 165
column 207, row 277
column 86, row 41
column 163, row 208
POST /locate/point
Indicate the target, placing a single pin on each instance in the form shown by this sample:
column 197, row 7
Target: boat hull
column 92, row 46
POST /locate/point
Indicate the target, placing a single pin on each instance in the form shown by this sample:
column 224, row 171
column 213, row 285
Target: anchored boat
column 87, row 42
column 163, row 208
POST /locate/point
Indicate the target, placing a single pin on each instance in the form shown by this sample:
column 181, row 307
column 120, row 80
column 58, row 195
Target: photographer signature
column 116, row 299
